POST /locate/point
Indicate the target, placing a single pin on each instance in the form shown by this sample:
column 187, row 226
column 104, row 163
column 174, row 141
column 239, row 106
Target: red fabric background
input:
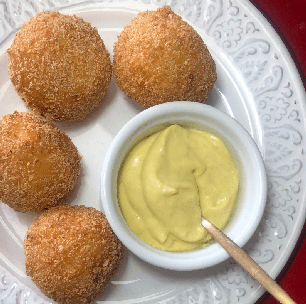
column 288, row 17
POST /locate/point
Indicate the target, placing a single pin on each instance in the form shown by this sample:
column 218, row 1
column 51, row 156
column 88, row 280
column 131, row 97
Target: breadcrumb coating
column 39, row 164
column 160, row 58
column 72, row 253
column 59, row 66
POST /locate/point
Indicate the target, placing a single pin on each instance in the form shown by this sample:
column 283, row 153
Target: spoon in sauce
column 246, row 262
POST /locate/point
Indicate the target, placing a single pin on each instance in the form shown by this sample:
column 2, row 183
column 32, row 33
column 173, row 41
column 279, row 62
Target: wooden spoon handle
column 248, row 264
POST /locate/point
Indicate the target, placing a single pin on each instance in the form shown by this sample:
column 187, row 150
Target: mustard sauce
column 171, row 179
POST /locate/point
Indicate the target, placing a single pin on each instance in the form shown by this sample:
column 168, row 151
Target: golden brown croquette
column 72, row 253
column 59, row 66
column 159, row 58
column 39, row 164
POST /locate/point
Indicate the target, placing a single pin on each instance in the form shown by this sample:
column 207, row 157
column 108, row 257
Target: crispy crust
column 39, row 164
column 59, row 66
column 72, row 253
column 160, row 58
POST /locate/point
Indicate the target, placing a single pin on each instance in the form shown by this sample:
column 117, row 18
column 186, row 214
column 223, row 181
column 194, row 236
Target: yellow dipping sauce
column 169, row 180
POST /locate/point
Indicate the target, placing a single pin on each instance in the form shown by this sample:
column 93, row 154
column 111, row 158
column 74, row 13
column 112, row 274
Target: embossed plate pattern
column 257, row 84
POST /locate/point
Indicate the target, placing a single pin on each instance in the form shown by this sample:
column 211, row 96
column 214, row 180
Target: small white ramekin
column 252, row 187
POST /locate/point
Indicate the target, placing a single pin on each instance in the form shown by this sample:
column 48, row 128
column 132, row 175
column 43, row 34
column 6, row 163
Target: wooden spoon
column 248, row 263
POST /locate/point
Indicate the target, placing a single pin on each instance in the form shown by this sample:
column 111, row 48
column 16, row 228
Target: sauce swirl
column 171, row 179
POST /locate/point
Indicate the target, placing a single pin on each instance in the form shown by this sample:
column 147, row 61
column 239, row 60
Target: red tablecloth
column 288, row 17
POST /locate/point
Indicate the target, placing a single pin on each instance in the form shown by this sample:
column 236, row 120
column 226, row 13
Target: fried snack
column 160, row 58
column 59, row 66
column 39, row 164
column 72, row 253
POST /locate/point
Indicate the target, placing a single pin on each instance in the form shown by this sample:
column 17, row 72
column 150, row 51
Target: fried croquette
column 39, row 164
column 59, row 66
column 160, row 58
column 72, row 253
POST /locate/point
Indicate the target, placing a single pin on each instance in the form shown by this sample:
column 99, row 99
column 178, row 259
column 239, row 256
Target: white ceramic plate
column 257, row 84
